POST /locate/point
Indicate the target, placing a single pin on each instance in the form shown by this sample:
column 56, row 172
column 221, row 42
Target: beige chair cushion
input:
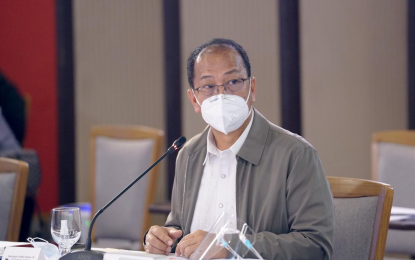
column 354, row 222
column 119, row 162
column 396, row 166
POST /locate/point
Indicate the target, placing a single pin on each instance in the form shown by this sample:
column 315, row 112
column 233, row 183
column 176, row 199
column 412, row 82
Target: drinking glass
column 66, row 228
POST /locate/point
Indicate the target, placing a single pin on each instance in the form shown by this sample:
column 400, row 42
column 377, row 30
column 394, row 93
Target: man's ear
column 192, row 99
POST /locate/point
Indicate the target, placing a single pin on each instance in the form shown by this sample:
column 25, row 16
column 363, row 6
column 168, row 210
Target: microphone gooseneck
column 95, row 255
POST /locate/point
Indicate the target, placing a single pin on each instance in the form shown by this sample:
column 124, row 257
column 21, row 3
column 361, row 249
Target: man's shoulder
column 269, row 140
column 285, row 139
column 289, row 137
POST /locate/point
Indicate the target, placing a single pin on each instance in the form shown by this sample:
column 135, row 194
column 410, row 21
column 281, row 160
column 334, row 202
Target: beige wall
column 118, row 71
column 353, row 78
column 252, row 24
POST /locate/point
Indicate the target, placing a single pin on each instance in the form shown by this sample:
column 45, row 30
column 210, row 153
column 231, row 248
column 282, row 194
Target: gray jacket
column 281, row 192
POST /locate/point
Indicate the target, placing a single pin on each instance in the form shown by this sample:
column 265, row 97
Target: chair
column 362, row 211
column 13, row 182
column 119, row 154
column 33, row 181
column 393, row 162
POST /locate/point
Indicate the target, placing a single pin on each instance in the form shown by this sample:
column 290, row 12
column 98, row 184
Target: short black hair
column 219, row 42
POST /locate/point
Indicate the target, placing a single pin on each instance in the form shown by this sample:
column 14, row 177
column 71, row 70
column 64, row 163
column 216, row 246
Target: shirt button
column 223, row 176
column 220, row 205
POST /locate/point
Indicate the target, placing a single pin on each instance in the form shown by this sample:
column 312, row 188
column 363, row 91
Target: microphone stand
column 87, row 254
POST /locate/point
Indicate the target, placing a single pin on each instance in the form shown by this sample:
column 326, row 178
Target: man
column 7, row 140
column 13, row 108
column 242, row 164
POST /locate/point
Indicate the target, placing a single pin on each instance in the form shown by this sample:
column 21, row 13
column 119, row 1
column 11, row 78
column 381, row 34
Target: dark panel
column 290, row 65
column 411, row 64
column 66, row 111
column 171, row 14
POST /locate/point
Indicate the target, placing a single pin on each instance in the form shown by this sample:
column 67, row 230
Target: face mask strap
column 33, row 240
column 193, row 91
column 249, row 93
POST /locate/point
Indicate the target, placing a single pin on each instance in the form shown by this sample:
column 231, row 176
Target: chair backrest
column 31, row 157
column 393, row 162
column 119, row 154
column 362, row 211
column 13, row 182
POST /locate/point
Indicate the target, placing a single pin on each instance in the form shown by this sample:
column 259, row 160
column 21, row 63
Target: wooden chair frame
column 355, row 188
column 404, row 137
column 129, row 133
column 19, row 191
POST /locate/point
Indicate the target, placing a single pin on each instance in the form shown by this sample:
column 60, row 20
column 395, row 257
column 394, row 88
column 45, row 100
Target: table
column 406, row 224
column 408, row 221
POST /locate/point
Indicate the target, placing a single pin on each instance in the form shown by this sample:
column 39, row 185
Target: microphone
column 177, row 145
column 87, row 254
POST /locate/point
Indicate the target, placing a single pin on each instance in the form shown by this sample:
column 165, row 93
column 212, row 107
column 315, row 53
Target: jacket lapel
column 248, row 157
column 254, row 144
column 194, row 173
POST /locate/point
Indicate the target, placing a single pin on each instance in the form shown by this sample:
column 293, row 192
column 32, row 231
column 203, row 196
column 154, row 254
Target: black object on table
column 403, row 224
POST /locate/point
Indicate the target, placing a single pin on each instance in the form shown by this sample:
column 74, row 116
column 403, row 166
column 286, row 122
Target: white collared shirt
column 217, row 191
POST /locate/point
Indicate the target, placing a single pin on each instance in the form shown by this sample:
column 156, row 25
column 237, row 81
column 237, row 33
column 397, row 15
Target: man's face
column 216, row 67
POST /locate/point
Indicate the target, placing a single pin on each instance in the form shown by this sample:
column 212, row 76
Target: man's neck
column 224, row 142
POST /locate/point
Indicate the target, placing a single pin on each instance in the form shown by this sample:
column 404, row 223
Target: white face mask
column 49, row 250
column 224, row 112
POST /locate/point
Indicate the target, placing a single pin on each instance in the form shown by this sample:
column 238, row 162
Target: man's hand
column 159, row 240
column 189, row 243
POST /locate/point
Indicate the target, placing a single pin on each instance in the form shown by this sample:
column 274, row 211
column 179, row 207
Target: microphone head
column 179, row 143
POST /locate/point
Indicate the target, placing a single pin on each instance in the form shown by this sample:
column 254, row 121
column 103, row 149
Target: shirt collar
column 211, row 144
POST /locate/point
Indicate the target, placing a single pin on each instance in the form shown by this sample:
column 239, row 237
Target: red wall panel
column 28, row 59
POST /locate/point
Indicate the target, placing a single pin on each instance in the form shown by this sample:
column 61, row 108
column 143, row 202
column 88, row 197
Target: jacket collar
column 254, row 144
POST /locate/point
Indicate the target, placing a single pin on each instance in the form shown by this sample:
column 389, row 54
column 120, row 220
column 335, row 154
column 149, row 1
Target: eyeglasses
column 230, row 87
